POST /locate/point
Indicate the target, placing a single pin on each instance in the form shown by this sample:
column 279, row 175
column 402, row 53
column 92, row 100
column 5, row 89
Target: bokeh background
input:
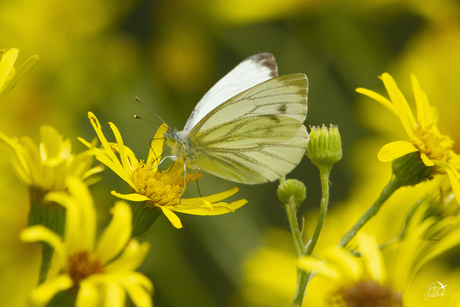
column 97, row 55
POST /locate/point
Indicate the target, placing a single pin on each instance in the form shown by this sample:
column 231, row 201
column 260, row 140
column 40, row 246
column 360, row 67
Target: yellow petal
column 221, row 196
column 394, row 150
column 121, row 147
column 372, row 257
column 114, row 295
column 115, row 236
column 401, row 106
column 142, row 280
column 424, row 114
column 172, row 217
column 379, row 98
column 6, row 65
column 427, row 161
column 221, row 208
column 21, row 72
column 39, row 233
column 130, row 197
column 307, row 263
column 98, row 129
column 84, row 200
column 156, row 146
column 80, row 231
column 129, row 153
column 138, row 294
column 131, row 258
column 345, row 264
column 107, row 156
column 52, row 143
column 454, row 183
column 451, row 240
column 41, row 295
column 88, row 294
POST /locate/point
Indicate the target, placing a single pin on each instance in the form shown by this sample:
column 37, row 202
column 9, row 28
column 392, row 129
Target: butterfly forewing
column 250, row 72
column 283, row 95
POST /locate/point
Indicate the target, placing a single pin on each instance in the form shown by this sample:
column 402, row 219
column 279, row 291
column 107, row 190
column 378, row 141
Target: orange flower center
column 163, row 188
column 367, row 293
column 83, row 264
column 435, row 145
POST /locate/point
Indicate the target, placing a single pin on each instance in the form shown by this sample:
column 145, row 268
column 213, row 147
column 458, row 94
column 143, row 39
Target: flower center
column 163, row 188
column 435, row 145
column 366, row 294
column 81, row 265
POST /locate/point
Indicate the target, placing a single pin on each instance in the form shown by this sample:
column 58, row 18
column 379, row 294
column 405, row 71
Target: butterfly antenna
column 138, row 117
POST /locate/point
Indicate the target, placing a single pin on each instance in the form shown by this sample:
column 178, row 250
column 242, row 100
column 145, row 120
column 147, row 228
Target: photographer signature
column 435, row 291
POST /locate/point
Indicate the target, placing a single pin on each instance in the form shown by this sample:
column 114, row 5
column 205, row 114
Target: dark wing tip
column 266, row 59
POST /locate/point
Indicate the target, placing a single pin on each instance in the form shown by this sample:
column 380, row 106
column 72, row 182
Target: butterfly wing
column 250, row 72
column 257, row 135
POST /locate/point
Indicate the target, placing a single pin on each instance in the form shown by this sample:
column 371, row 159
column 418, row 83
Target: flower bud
column 292, row 189
column 325, row 146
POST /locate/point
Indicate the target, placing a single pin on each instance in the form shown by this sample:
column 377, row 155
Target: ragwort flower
column 8, row 76
column 433, row 147
column 95, row 273
column 363, row 281
column 158, row 190
column 44, row 168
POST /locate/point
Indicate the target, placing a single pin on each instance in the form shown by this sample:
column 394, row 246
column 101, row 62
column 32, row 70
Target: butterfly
column 248, row 127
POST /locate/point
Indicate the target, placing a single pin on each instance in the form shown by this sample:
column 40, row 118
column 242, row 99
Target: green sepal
column 50, row 215
column 410, row 170
column 144, row 215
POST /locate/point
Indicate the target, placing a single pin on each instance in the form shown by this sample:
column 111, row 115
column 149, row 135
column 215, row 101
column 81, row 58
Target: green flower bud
column 325, row 146
column 410, row 169
column 292, row 189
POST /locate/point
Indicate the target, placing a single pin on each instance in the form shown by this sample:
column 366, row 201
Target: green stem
column 302, row 277
column 324, row 174
column 389, row 189
column 297, row 236
column 306, row 250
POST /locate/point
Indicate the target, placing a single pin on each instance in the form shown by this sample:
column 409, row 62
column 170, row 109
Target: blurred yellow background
column 98, row 55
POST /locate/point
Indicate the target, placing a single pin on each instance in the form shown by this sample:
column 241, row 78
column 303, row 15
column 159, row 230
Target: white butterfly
column 248, row 128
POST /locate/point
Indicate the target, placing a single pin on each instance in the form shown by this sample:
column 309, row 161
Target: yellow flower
column 362, row 280
column 432, row 229
column 433, row 147
column 158, row 189
column 45, row 167
column 99, row 272
column 8, row 76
